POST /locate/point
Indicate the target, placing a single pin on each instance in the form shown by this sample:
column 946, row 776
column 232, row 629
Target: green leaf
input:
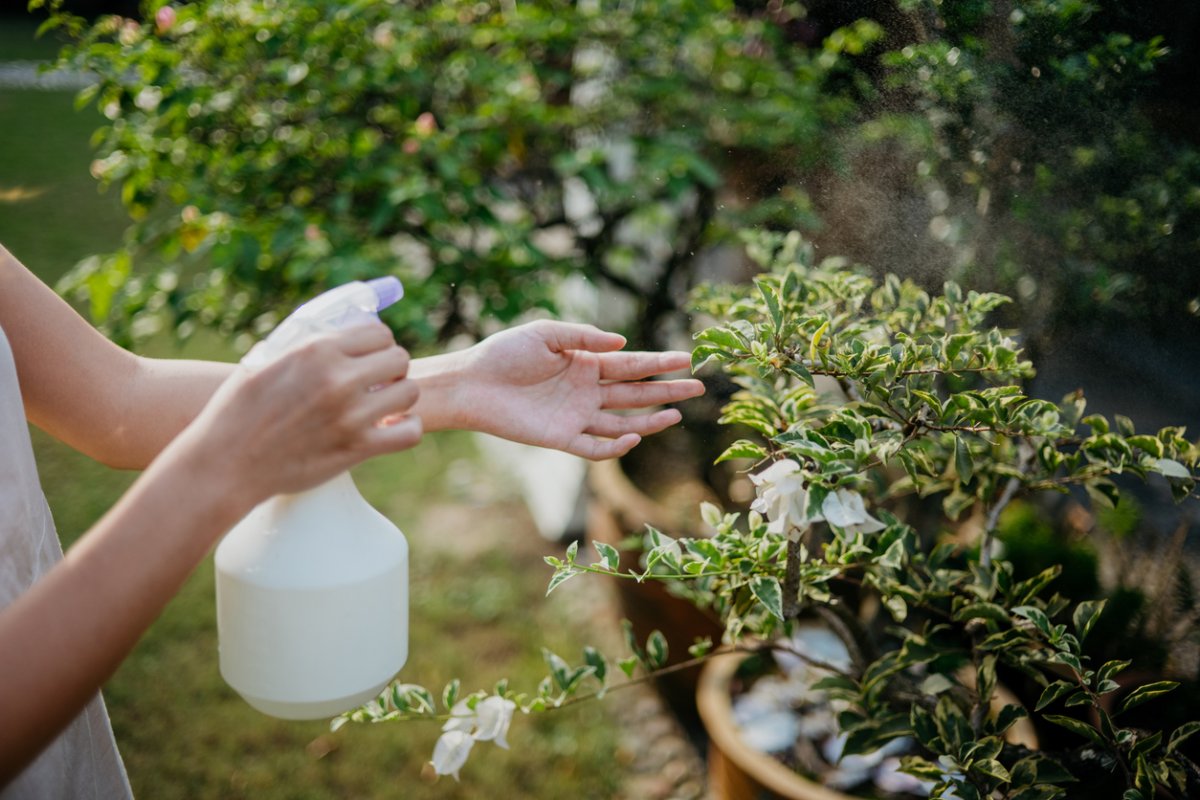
column 628, row 665
column 596, row 661
column 1076, row 726
column 992, row 769
column 936, row 683
column 743, row 448
column 608, row 554
column 450, row 694
column 656, row 649
column 962, row 460
column 561, row 576
column 559, row 670
column 1147, row 744
column 722, row 337
column 799, row 372
column 896, row 607
column 1182, row 734
column 772, row 302
column 1054, row 691
column 988, row 611
column 1171, row 468
column 1085, row 616
column 1036, row 616
column 920, row 768
column 1111, row 669
column 1147, row 692
column 700, row 648
column 769, row 593
column 704, row 353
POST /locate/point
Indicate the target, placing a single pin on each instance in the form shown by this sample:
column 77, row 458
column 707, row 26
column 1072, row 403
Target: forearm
column 162, row 397
column 84, row 390
column 64, row 637
column 443, row 403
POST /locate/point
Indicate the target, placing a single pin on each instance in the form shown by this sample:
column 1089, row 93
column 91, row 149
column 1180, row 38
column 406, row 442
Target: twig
column 993, row 515
column 791, row 579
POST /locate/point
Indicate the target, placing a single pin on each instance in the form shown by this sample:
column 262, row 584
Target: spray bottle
column 312, row 588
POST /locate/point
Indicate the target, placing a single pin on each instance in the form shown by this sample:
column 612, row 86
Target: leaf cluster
column 268, row 150
column 885, row 389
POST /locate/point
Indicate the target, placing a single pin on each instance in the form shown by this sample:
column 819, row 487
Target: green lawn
column 476, row 573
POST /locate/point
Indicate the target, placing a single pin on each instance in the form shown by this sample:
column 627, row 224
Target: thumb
column 560, row 336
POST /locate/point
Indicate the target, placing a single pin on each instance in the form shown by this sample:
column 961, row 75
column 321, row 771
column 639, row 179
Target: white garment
column 83, row 761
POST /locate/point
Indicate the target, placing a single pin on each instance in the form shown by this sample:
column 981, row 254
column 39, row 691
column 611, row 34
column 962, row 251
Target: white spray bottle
column 312, row 588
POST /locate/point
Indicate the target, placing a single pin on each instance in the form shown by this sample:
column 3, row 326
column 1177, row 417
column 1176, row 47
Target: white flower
column 845, row 509
column 451, row 751
column 494, row 716
column 783, row 498
column 462, row 718
column 488, row 722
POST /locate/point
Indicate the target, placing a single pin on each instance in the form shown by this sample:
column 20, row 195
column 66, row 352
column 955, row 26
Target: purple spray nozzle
column 388, row 289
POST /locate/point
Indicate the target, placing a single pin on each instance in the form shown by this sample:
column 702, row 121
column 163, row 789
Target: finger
column 635, row 366
column 600, row 449
column 368, row 337
column 382, row 366
column 400, row 436
column 387, row 401
column 560, row 336
column 614, row 426
column 648, row 393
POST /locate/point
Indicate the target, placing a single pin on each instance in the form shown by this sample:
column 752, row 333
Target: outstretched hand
column 558, row 384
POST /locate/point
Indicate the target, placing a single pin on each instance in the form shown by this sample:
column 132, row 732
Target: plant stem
column 791, row 580
column 993, row 515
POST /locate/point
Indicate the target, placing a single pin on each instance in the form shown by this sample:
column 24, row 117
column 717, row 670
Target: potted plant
column 931, row 408
column 876, row 514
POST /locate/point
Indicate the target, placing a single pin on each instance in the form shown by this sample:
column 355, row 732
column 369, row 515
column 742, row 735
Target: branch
column 791, row 579
column 993, row 514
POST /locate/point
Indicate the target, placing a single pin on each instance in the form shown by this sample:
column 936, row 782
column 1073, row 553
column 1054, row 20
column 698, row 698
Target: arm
column 285, row 428
column 81, row 388
column 553, row 384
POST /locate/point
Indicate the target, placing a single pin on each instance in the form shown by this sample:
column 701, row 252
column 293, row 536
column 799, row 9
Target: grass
column 477, row 579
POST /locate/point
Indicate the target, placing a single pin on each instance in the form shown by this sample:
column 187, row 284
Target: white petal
column 462, row 718
column 844, row 508
column 775, row 472
column 869, row 525
column 450, row 752
column 495, row 715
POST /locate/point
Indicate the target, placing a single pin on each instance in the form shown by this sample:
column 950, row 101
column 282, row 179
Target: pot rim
column 716, row 710
column 715, row 704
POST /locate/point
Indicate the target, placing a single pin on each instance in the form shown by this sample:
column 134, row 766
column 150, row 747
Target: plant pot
column 737, row 771
column 619, row 510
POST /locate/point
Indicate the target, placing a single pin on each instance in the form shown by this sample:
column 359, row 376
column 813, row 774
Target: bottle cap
column 387, row 289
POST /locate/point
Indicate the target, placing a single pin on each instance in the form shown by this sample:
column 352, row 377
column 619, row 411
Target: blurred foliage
column 1056, row 144
column 267, row 150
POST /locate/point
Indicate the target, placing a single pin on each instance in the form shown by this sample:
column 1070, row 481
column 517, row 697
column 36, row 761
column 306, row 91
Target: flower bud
column 164, row 19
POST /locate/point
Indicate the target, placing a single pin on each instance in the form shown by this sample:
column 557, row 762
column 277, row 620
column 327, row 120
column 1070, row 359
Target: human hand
column 309, row 415
column 555, row 384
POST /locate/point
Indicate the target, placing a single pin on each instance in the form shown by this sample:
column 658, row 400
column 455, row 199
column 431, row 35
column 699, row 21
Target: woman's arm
column 81, row 388
column 285, row 428
column 552, row 384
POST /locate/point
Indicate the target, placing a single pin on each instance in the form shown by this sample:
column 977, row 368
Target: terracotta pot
column 618, row 510
column 737, row 771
